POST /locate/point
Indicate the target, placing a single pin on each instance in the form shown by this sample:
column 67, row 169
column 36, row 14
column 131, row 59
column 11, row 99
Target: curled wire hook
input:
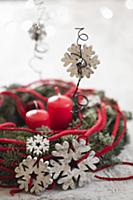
column 80, row 105
column 38, row 33
column 81, row 36
column 39, row 50
column 81, row 62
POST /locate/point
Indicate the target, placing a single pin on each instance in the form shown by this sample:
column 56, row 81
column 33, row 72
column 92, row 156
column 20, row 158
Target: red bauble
column 37, row 118
column 36, row 104
column 60, row 111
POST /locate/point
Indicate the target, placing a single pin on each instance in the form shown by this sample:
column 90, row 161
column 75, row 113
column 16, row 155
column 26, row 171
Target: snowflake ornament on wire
column 37, row 145
column 66, row 169
column 80, row 65
column 37, row 31
column 33, row 175
column 80, row 61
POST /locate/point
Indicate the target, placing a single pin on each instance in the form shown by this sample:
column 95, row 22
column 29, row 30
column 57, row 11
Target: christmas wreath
column 39, row 157
column 52, row 133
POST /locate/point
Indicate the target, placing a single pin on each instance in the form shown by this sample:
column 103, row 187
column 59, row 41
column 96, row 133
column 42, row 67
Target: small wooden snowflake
column 37, row 145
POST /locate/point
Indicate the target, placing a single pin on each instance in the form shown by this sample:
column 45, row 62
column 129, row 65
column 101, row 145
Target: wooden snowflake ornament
column 37, row 145
column 80, row 61
column 65, row 168
column 33, row 175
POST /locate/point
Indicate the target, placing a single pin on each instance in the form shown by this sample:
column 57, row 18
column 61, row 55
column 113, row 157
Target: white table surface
column 113, row 41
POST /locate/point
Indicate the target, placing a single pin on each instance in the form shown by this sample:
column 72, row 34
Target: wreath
column 33, row 159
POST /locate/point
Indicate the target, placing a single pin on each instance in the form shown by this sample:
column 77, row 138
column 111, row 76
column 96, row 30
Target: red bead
column 60, row 112
column 37, row 118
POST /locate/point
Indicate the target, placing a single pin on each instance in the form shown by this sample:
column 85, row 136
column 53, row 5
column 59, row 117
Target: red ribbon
column 7, row 124
column 114, row 178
